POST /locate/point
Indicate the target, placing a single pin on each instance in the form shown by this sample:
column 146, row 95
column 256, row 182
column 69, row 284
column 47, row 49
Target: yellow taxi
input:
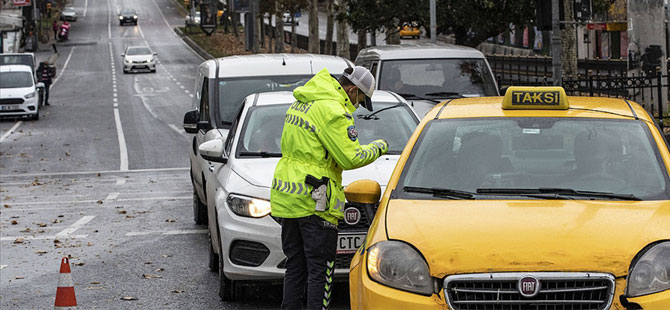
column 409, row 30
column 534, row 200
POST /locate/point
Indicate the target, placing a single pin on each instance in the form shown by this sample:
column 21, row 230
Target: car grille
column 11, row 101
column 140, row 62
column 558, row 291
column 367, row 214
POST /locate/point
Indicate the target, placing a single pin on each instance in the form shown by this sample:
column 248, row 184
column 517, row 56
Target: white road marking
column 90, row 201
column 78, row 224
column 120, row 181
column 85, row 8
column 112, row 196
column 109, row 21
column 6, row 176
column 10, row 131
column 123, row 150
column 3, row 267
column 64, row 66
column 169, row 232
column 173, row 33
column 142, row 34
column 179, row 131
column 42, row 237
column 190, row 95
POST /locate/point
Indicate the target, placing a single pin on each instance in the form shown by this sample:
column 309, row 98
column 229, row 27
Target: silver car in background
column 139, row 58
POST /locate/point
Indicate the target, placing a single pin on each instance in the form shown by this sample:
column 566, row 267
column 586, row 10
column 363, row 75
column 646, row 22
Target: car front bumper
column 128, row 20
column 27, row 108
column 133, row 66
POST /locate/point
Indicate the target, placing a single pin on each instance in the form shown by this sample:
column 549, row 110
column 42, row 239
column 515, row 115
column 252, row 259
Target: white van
column 426, row 74
column 19, row 92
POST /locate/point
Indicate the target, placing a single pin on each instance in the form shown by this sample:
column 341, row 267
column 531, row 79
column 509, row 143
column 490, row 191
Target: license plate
column 348, row 243
column 6, row 107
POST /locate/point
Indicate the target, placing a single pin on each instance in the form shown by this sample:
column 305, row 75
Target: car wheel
column 153, row 70
column 120, row 23
column 228, row 289
column 213, row 257
column 37, row 115
column 199, row 210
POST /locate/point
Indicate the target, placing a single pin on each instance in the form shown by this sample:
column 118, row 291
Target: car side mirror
column 155, row 54
column 212, row 150
column 191, row 119
column 363, row 191
column 123, row 55
column 40, row 85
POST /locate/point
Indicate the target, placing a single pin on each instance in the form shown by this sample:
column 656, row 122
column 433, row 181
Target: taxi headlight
column 651, row 272
column 398, row 265
column 247, row 206
column 29, row 95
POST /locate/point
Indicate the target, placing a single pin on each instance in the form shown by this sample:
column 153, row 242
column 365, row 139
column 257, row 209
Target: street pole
column 433, row 23
column 556, row 44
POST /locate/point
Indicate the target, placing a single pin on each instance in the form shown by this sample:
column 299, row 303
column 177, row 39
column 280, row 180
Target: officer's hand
column 383, row 145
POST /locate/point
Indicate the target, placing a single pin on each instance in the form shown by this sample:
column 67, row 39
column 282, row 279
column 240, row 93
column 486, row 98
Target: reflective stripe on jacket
column 319, row 139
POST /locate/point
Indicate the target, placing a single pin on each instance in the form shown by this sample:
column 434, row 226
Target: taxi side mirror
column 363, row 191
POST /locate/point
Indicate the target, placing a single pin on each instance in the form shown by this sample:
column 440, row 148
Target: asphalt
column 102, row 176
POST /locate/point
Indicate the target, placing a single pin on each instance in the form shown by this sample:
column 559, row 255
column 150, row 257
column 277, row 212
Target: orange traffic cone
column 65, row 299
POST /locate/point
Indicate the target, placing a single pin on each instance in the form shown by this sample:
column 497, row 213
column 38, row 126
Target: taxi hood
column 260, row 171
column 474, row 236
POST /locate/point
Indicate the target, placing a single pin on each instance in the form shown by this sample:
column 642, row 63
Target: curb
column 196, row 48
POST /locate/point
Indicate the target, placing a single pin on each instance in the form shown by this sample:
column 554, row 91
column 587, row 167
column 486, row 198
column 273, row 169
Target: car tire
column 120, row 23
column 125, row 71
column 213, row 258
column 228, row 289
column 199, row 210
column 153, row 71
column 37, row 115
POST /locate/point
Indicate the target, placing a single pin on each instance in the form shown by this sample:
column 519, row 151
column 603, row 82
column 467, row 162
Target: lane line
column 120, row 181
column 112, row 196
column 123, row 150
column 6, row 176
column 109, row 20
column 175, row 34
column 64, row 66
column 42, row 237
column 179, row 131
column 10, row 131
column 93, row 202
column 3, row 267
column 142, row 34
column 85, row 8
column 78, row 224
column 169, row 232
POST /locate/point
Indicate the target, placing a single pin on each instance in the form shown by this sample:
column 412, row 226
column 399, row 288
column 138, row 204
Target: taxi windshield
column 536, row 156
column 437, row 78
column 261, row 134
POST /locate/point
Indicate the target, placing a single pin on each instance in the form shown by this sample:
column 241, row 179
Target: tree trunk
column 313, row 46
column 279, row 29
column 342, row 33
column 233, row 19
column 328, row 50
column 569, row 48
column 294, row 35
column 260, row 36
column 362, row 40
column 373, row 38
column 392, row 36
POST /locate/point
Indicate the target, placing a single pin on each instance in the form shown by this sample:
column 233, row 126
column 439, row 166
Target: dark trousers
column 309, row 244
column 47, row 85
column 56, row 34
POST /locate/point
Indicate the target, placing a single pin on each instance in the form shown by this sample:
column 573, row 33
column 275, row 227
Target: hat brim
column 368, row 103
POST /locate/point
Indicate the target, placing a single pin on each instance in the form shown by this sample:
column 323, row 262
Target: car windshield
column 537, row 155
column 68, row 10
column 16, row 79
column 233, row 91
column 438, row 78
column 16, row 60
column 128, row 12
column 134, row 51
column 263, row 127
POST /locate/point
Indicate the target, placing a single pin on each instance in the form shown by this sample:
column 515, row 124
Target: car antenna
column 311, row 66
column 283, row 62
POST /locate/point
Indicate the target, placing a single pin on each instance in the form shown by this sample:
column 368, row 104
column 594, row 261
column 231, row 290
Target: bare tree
column 313, row 46
column 569, row 37
column 328, row 50
column 342, row 30
column 362, row 40
column 279, row 28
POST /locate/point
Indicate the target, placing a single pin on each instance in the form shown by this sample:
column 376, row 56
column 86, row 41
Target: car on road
column 426, row 73
column 534, row 200
column 28, row 59
column 220, row 87
column 139, row 58
column 192, row 21
column 128, row 16
column 288, row 19
column 68, row 14
column 411, row 30
column 19, row 92
column 246, row 243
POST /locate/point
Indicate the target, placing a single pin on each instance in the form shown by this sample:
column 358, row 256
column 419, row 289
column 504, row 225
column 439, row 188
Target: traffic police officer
column 318, row 142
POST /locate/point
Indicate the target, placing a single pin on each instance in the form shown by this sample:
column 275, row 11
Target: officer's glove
column 382, row 145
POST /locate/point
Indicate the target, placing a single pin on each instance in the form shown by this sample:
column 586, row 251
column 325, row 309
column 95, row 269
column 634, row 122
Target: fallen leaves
column 42, row 224
column 177, row 291
column 99, row 202
column 40, row 252
column 18, row 240
column 14, row 222
column 170, row 220
column 7, row 206
column 151, row 276
column 128, row 298
column 79, row 264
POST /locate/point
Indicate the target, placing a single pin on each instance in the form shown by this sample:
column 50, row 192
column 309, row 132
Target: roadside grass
column 221, row 44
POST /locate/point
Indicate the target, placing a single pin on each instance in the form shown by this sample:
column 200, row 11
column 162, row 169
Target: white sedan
column 246, row 242
column 19, row 93
column 139, row 58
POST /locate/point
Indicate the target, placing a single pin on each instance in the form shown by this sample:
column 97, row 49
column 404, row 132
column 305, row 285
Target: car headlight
column 134, row 16
column 29, row 95
column 121, row 17
column 247, row 206
column 651, row 272
column 398, row 265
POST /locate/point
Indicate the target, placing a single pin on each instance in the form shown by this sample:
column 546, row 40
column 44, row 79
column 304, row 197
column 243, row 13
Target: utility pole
column 433, row 23
column 556, row 43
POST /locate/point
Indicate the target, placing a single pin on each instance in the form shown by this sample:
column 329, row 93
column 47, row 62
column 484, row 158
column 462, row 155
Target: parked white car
column 239, row 203
column 68, row 14
column 19, row 93
column 220, row 87
column 139, row 58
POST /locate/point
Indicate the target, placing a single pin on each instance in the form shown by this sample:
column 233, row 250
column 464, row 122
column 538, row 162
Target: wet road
column 102, row 177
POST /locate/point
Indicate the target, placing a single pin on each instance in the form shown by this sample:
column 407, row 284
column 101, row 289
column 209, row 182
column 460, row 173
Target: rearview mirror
column 212, row 150
column 123, row 55
column 363, row 191
column 191, row 119
column 40, row 85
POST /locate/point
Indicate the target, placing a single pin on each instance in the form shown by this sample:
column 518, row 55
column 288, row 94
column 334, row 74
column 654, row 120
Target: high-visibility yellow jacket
column 319, row 139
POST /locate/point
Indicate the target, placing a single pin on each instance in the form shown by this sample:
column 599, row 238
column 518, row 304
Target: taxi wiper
column 440, row 192
column 372, row 115
column 413, row 96
column 555, row 193
column 446, row 94
column 261, row 154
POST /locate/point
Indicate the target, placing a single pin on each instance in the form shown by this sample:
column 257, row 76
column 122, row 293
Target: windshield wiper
column 413, row 96
column 440, row 192
column 372, row 115
column 555, row 193
column 446, row 94
column 261, row 154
